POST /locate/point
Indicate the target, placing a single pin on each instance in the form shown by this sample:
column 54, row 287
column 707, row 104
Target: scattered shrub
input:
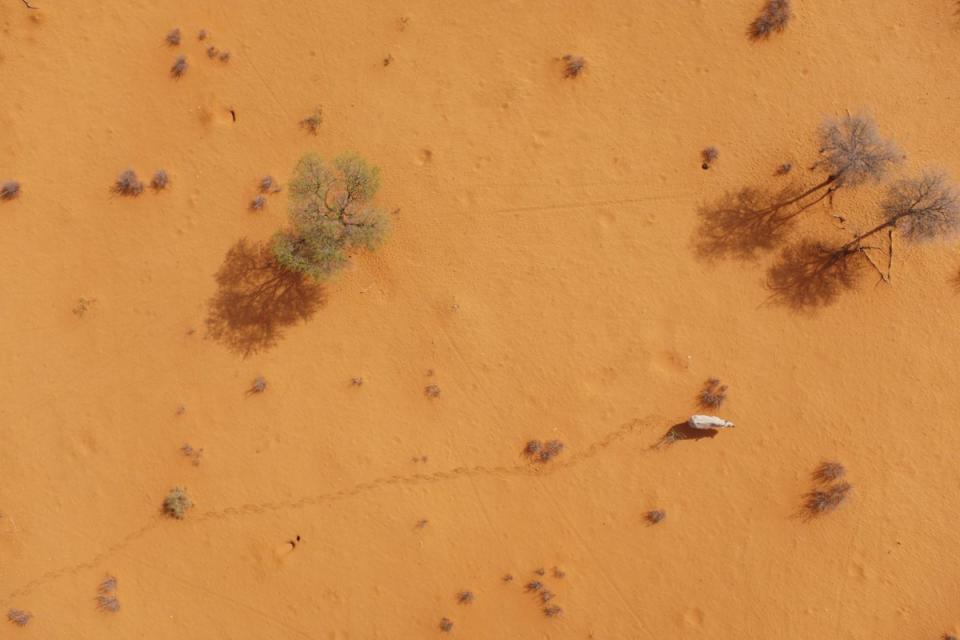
column 312, row 122
column 107, row 603
column 267, row 184
column 109, row 585
column 852, row 151
column 558, row 572
column 533, row 585
column 19, row 617
column 173, row 38
column 655, row 516
column 828, row 471
column 783, row 169
column 772, row 19
column 224, row 56
column 127, row 184
column 432, row 391
column 709, row 156
column 179, row 67
column 82, row 306
column 713, row 394
column 532, row 448
column 822, row 501
column 546, row 596
column 259, row 385
column 176, row 503
column 195, row 455
column 9, row 190
column 258, row 203
column 446, row 625
column 212, row 52
column 357, row 381
column 551, row 449
column 160, row 180
column 202, row 34
column 465, row 597
column 573, row 65
column 330, row 216
column 552, row 612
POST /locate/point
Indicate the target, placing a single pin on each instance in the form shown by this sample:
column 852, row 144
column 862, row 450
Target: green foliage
column 177, row 502
column 330, row 216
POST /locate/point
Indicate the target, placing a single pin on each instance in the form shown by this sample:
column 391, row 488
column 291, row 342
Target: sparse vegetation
column 128, row 184
column 573, row 65
column 713, row 394
column 708, row 155
column 179, row 67
column 173, row 38
column 212, row 52
column 655, row 516
column 224, row 56
column 258, row 203
column 532, row 448
column 177, row 503
column 330, row 216
column 82, row 306
column 259, row 385
column 546, row 596
column 108, row 585
column 534, row 585
column 465, row 597
column 821, row 501
column 312, row 122
column 108, row 603
column 202, row 34
column 852, row 152
column 551, row 449
column 9, row 190
column 783, row 169
column 446, row 625
column 552, row 611
column 356, row 381
column 19, row 617
column 432, row 391
column 160, row 180
column 772, row 19
column 828, row 471
column 559, row 573
column 268, row 185
column 195, row 455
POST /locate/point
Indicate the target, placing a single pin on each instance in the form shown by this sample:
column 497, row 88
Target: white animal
column 708, row 422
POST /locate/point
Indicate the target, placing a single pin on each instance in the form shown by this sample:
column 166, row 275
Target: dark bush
column 127, row 184
column 772, row 19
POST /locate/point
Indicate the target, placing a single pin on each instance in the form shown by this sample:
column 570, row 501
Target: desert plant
column 176, row 503
column 9, row 190
column 259, row 385
column 432, row 391
column 446, row 625
column 173, row 38
column 852, row 151
column 82, row 306
column 708, row 156
column 573, row 65
column 224, row 56
column 551, row 449
column 258, row 203
column 212, row 52
column 108, row 603
column 312, row 122
column 160, row 180
column 202, row 34
column 330, row 216
column 773, row 18
column 179, row 67
column 713, row 394
column 655, row 516
column 19, row 617
column 465, row 597
column 828, row 471
column 268, row 185
column 921, row 209
column 128, row 184
column 822, row 501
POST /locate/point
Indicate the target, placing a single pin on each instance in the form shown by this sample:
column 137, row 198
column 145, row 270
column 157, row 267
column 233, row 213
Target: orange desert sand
column 545, row 271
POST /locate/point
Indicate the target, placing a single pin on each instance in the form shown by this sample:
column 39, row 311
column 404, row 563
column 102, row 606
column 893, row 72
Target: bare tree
column 921, row 209
column 853, row 152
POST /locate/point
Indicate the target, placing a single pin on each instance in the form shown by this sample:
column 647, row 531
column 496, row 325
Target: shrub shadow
column 256, row 300
column 809, row 274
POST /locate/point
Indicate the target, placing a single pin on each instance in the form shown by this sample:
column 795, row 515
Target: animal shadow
column 257, row 300
column 683, row 431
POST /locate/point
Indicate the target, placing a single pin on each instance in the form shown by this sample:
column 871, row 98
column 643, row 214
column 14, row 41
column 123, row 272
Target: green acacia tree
column 331, row 215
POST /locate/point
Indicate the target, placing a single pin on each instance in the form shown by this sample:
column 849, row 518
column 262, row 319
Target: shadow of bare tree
column 256, row 300
column 746, row 222
column 809, row 274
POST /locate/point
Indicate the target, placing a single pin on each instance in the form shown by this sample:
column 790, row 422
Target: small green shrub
column 330, row 216
column 177, row 502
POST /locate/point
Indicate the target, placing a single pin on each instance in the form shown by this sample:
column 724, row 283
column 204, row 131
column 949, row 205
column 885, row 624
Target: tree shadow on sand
column 256, row 300
column 809, row 274
column 749, row 221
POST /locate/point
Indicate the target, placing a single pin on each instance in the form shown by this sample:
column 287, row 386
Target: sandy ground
column 544, row 266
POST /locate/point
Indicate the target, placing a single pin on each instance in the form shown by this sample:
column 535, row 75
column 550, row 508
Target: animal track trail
column 524, row 469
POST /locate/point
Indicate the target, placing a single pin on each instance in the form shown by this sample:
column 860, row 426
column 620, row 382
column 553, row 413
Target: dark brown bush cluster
column 772, row 19
column 830, row 491
column 713, row 394
column 655, row 516
column 573, row 65
column 540, row 451
column 9, row 190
